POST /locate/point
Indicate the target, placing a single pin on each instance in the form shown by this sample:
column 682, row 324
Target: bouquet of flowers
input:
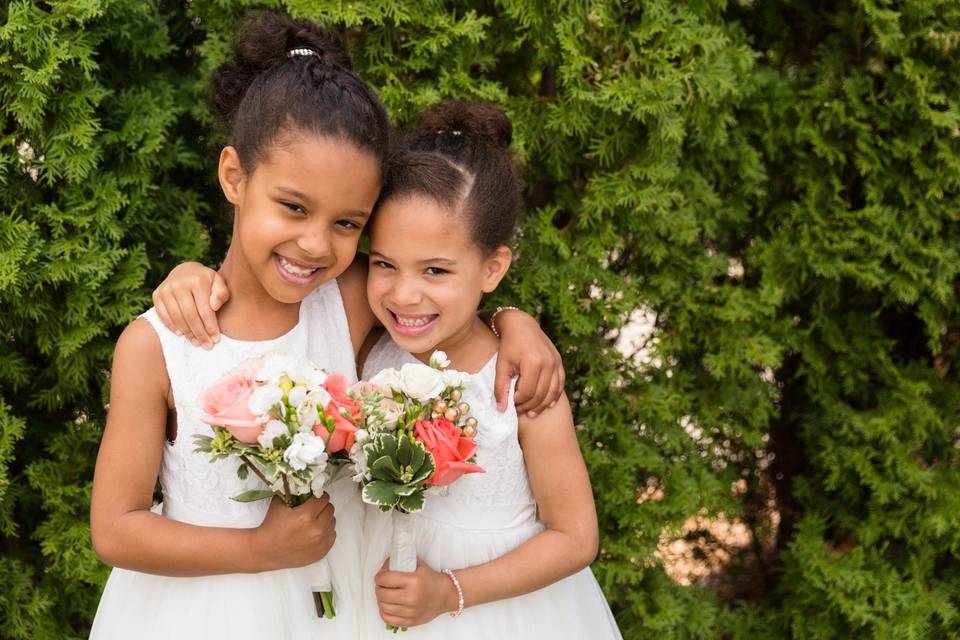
column 416, row 435
column 290, row 424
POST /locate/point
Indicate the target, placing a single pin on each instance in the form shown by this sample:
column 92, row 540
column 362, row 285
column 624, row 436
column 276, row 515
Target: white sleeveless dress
column 271, row 604
column 477, row 519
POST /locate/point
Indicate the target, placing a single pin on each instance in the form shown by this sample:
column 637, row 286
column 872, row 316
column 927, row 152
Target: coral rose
column 450, row 450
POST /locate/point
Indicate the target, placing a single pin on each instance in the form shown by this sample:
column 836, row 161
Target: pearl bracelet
column 493, row 326
column 456, row 583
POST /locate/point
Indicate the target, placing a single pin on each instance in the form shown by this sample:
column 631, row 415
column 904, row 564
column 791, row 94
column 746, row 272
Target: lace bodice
column 499, row 498
column 194, row 489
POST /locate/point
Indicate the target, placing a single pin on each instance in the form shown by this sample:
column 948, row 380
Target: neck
column 469, row 349
column 252, row 313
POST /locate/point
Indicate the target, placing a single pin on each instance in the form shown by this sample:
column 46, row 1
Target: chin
column 414, row 345
column 289, row 295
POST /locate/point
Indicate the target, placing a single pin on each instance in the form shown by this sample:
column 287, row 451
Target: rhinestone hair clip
column 302, row 51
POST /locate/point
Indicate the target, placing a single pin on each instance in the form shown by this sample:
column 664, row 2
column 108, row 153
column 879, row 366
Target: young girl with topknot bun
column 307, row 141
column 504, row 553
column 304, row 132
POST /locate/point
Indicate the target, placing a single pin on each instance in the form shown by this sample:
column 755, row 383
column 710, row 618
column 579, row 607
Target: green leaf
column 412, row 503
column 380, row 493
column 253, row 495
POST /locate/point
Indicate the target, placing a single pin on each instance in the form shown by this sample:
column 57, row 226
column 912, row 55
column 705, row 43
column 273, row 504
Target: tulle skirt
column 276, row 605
column 573, row 608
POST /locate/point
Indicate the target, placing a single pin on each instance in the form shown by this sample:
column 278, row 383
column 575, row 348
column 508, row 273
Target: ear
column 495, row 267
column 231, row 174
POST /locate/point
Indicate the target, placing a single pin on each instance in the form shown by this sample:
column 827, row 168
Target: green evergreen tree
column 773, row 186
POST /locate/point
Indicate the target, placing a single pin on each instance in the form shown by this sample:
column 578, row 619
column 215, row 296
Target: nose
column 315, row 241
column 406, row 292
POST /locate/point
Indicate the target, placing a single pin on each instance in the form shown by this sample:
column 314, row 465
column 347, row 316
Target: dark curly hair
column 459, row 155
column 264, row 90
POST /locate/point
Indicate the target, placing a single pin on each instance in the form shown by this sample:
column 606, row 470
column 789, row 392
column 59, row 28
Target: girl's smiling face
column 427, row 276
column 300, row 212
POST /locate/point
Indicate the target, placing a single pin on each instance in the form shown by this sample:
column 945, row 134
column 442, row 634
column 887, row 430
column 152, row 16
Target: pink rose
column 345, row 428
column 224, row 404
column 450, row 450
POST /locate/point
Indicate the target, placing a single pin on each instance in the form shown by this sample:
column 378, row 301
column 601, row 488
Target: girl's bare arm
column 127, row 534
column 569, row 543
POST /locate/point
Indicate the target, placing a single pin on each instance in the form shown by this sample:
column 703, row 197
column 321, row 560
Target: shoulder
column 139, row 337
column 139, row 356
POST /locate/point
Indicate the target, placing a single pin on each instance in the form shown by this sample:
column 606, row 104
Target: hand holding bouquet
column 287, row 422
column 416, row 435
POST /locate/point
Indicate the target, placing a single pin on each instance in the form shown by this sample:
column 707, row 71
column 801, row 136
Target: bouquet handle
column 403, row 543
column 320, row 579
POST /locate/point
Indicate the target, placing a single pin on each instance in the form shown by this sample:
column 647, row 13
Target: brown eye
column 293, row 207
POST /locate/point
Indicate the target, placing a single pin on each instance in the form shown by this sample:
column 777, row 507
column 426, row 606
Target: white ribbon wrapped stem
column 321, row 582
column 318, row 574
column 403, row 543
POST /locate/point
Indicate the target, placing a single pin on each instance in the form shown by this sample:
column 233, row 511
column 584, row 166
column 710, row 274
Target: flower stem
column 255, row 469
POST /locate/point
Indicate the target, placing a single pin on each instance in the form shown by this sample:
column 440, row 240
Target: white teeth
column 413, row 322
column 294, row 269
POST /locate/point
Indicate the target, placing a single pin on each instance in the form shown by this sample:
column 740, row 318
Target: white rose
column 421, row 382
column 263, row 398
column 391, row 413
column 273, row 429
column 387, row 379
column 307, row 449
column 439, row 360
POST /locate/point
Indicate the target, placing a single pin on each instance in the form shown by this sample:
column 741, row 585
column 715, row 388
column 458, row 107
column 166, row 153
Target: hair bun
column 266, row 39
column 481, row 121
column 262, row 41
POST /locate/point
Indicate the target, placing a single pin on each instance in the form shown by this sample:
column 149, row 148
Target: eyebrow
column 299, row 195
column 445, row 261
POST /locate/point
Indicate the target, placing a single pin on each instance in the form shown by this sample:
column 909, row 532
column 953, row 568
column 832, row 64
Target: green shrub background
column 773, row 184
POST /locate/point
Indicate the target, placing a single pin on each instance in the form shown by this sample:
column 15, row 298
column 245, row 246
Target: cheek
column 377, row 287
column 345, row 248
column 261, row 228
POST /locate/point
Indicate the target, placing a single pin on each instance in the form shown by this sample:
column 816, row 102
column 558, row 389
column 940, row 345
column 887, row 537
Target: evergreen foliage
column 773, row 185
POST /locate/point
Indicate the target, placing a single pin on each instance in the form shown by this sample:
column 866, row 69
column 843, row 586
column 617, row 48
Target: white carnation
column 273, row 429
column 273, row 367
column 307, row 449
column 264, row 398
column 421, row 382
column 302, row 372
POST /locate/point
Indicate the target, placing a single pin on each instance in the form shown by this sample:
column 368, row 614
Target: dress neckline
column 224, row 338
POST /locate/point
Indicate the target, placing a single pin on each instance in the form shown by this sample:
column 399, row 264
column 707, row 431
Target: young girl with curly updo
column 505, row 553
column 303, row 171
